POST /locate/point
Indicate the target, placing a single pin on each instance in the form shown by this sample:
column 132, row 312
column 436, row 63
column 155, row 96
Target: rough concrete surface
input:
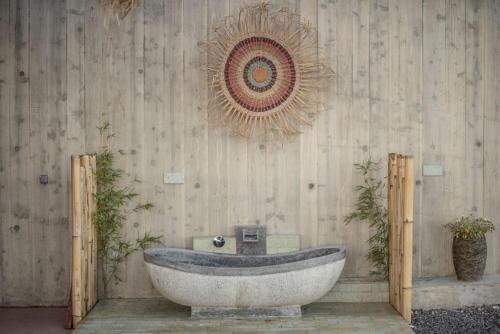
column 448, row 292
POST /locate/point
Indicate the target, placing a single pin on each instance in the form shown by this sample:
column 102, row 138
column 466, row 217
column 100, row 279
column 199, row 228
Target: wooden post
column 93, row 246
column 399, row 230
column 392, row 214
column 87, row 209
column 76, row 293
column 400, row 219
column 407, row 241
column 84, row 248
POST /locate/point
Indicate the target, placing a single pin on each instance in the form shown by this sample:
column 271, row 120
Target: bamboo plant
column 112, row 203
column 370, row 209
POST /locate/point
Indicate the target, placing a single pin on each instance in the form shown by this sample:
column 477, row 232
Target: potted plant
column 469, row 246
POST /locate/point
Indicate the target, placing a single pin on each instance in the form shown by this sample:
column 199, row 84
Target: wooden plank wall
column 416, row 77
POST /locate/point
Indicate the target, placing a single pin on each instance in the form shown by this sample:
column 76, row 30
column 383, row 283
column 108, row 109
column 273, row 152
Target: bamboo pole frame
column 400, row 218
column 93, row 277
column 84, row 237
column 407, row 239
column 392, row 217
column 76, row 284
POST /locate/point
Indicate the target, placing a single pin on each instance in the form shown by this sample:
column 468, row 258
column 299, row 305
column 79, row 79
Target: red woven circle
column 238, row 63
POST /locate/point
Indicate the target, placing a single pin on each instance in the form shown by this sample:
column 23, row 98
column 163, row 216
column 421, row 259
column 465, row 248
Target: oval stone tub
column 244, row 285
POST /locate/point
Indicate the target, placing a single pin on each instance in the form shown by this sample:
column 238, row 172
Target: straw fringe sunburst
column 265, row 71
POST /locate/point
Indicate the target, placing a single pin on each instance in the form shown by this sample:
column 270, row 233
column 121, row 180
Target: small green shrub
column 470, row 227
column 111, row 214
column 370, row 209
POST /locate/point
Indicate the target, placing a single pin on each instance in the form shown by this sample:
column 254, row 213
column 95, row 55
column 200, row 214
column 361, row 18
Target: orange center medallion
column 259, row 74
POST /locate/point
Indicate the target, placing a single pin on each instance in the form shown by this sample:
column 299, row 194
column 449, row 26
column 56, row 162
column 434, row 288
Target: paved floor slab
column 141, row 316
column 448, row 292
column 32, row 320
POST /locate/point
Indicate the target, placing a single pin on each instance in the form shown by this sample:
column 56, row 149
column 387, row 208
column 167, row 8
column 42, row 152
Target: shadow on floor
column 33, row 320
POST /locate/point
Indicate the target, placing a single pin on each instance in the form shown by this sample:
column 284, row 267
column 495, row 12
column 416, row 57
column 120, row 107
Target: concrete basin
column 223, row 285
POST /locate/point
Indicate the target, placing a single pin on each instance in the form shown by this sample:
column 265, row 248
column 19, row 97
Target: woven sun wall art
column 266, row 71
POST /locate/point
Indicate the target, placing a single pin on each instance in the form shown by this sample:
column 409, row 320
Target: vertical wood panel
column 218, row 146
column 261, row 196
column 93, row 81
column 135, row 144
column 153, row 119
column 379, row 77
column 238, row 191
column 491, row 134
column 283, row 169
column 195, row 127
column 175, row 93
column 75, row 77
column 453, row 125
column 117, row 109
column 342, row 138
column 6, row 75
column 361, row 116
column 308, row 192
column 55, row 286
column 474, row 102
column 18, row 261
column 326, row 43
column 38, row 123
column 379, row 80
column 436, row 240
column 93, row 76
column 411, row 80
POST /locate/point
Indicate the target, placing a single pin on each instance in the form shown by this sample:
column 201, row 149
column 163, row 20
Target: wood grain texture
column 6, row 73
column 417, row 77
column 17, row 240
column 435, row 130
column 308, row 191
column 491, row 135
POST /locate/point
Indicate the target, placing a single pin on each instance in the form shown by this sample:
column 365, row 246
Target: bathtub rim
column 170, row 262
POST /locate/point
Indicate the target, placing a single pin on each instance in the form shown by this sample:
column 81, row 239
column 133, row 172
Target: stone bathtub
column 244, row 285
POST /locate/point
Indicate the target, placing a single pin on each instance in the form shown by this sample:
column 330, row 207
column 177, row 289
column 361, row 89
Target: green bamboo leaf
column 111, row 215
column 369, row 208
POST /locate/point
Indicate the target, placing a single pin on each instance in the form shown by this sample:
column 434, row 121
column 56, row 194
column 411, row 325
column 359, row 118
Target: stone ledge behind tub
column 428, row 293
column 358, row 290
column 448, row 292
column 277, row 243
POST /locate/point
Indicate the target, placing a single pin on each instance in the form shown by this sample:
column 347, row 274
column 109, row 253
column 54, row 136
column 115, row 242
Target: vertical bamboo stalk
column 407, row 241
column 76, row 301
column 392, row 213
column 87, row 249
column 84, row 237
column 399, row 231
column 94, row 232
column 400, row 218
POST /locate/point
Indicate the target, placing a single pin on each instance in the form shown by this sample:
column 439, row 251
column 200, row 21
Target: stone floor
column 33, row 320
column 137, row 316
